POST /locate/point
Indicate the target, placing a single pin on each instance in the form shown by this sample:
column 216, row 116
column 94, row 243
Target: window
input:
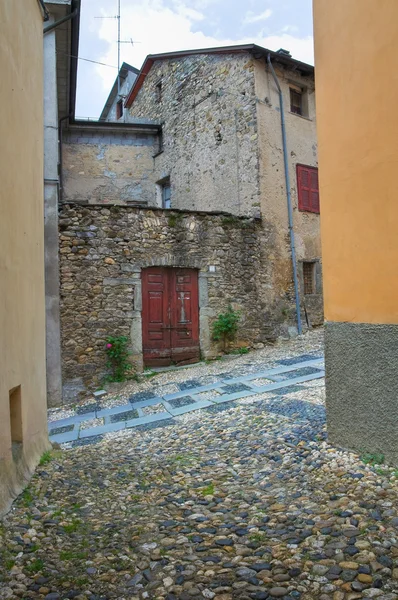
column 16, row 415
column 119, row 109
column 308, row 189
column 159, row 91
column 166, row 195
column 296, row 101
column 309, row 278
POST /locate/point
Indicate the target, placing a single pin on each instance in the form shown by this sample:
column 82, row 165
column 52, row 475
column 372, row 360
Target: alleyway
column 242, row 499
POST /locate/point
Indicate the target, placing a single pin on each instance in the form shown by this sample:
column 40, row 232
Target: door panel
column 155, row 316
column 170, row 316
column 184, row 315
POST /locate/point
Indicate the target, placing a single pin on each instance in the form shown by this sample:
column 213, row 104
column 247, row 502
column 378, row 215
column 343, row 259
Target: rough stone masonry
column 102, row 253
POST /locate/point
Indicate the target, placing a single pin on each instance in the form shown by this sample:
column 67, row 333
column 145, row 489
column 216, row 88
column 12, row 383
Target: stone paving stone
column 124, row 416
column 287, row 390
column 106, row 412
column 235, row 396
column 234, row 387
column 195, row 406
column 88, row 408
column 184, row 401
column 64, row 429
column 148, row 419
column 108, row 427
column 298, row 359
column 296, row 373
column 95, row 439
column 217, row 408
column 155, row 425
column 190, row 383
column 140, row 396
column 64, row 438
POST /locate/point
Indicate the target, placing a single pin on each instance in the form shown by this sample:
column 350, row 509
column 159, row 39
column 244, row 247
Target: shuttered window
column 308, row 188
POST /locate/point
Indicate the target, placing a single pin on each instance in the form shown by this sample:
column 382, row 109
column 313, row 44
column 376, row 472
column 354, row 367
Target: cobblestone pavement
column 239, row 500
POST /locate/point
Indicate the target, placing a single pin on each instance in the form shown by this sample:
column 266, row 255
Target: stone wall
column 208, row 110
column 102, row 252
column 110, row 166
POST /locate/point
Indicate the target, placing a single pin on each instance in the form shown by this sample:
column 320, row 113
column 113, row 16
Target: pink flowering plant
column 117, row 353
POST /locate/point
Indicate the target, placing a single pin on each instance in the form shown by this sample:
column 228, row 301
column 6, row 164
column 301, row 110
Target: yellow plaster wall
column 357, row 117
column 22, row 317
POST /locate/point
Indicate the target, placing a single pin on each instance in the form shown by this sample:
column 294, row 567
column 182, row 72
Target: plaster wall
column 22, row 311
column 302, row 149
column 355, row 46
column 109, row 167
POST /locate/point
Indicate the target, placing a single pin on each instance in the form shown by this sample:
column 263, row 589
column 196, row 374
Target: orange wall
column 357, row 122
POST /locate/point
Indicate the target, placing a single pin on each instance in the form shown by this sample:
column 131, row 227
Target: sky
column 167, row 25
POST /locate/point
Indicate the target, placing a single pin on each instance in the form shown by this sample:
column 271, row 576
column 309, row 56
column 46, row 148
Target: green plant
column 35, row 566
column 174, row 219
column 225, row 326
column 27, row 497
column 208, row 490
column 45, row 458
column 371, row 459
column 243, row 350
column 117, row 353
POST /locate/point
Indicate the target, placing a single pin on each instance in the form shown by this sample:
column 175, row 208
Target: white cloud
column 160, row 28
column 252, row 18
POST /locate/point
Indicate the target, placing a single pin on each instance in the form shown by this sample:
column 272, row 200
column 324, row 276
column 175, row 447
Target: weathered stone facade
column 220, row 148
column 110, row 165
column 210, row 145
column 104, row 249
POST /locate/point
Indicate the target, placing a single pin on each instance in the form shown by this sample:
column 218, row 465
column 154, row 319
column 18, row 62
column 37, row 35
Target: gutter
column 46, row 14
column 288, row 198
column 68, row 17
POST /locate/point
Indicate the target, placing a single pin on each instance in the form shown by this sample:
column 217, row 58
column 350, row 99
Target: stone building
column 23, row 415
column 180, row 209
column 114, row 105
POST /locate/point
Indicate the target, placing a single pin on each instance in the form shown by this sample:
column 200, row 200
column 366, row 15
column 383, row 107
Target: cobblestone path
column 238, row 500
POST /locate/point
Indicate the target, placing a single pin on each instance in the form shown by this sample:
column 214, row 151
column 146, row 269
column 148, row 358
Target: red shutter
column 308, row 189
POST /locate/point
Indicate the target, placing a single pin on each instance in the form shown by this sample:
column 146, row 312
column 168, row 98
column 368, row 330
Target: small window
column 309, row 278
column 159, row 92
column 16, row 415
column 166, row 195
column 296, row 102
column 119, row 109
column 308, row 188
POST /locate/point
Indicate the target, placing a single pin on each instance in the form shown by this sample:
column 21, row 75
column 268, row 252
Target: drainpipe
column 60, row 21
column 60, row 174
column 288, row 198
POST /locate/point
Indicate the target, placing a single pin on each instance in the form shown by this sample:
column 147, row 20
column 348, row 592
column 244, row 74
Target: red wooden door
column 170, row 316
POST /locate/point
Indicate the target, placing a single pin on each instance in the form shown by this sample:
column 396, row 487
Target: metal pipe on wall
column 288, row 197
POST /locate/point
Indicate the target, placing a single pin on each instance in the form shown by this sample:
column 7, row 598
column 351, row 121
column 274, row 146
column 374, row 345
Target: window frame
column 166, row 201
column 311, row 205
column 312, row 265
column 119, row 109
column 299, row 93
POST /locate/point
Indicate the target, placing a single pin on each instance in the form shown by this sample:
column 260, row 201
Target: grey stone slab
column 191, row 407
column 63, row 438
column 192, row 391
column 317, row 363
column 230, row 397
column 64, row 429
column 281, row 384
column 75, row 419
column 106, row 412
column 148, row 419
column 179, row 402
column 124, row 416
column 298, row 359
column 145, row 403
column 102, row 429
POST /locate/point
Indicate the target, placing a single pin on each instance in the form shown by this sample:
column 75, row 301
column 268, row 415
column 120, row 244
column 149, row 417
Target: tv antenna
column 119, row 41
